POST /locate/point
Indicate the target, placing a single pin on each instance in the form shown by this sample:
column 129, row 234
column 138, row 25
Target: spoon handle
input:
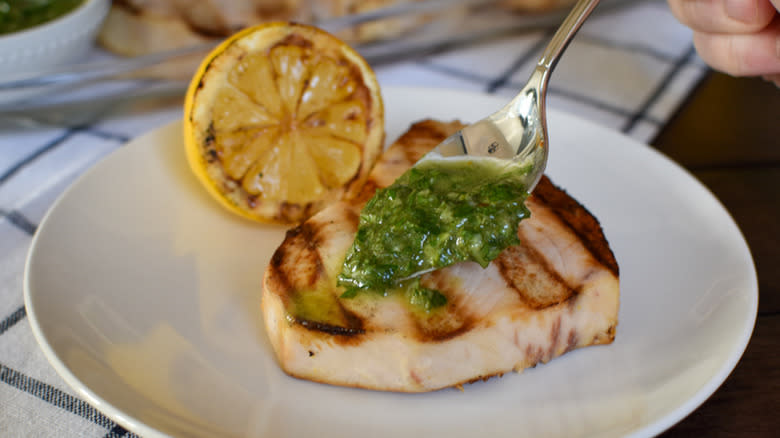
column 571, row 24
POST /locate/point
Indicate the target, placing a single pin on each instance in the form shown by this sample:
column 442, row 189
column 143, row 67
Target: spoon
column 518, row 132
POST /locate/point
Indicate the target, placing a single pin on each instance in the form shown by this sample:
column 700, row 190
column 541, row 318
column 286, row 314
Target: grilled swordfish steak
column 556, row 291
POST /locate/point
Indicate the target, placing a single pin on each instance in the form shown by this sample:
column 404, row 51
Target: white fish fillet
column 556, row 291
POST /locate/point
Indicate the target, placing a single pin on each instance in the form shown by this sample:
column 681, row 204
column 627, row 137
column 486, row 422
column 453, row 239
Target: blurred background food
column 534, row 5
column 152, row 48
column 140, row 27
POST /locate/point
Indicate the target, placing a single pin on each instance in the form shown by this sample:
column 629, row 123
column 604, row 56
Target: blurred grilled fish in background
column 141, row 27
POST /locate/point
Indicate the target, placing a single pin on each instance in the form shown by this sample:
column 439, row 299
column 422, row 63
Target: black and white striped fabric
column 629, row 69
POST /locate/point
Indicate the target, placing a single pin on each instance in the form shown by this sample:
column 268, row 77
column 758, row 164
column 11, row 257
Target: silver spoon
column 518, row 131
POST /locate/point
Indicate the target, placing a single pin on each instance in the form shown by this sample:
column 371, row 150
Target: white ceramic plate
column 144, row 295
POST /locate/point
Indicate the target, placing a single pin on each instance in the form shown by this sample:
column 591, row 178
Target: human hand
column 738, row 37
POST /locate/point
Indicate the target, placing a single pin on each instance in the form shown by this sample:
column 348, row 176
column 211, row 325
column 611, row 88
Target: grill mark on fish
column 351, row 333
column 611, row 332
column 484, row 378
column 298, row 264
column 534, row 354
column 276, row 268
column 571, row 341
column 555, row 333
column 309, row 235
column 333, row 329
column 577, row 218
column 347, row 333
column 445, row 323
column 571, row 303
column 513, row 263
column 413, row 374
column 366, row 192
column 438, row 327
column 352, row 217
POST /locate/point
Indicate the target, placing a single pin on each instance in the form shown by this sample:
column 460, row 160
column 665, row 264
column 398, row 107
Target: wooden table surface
column 728, row 135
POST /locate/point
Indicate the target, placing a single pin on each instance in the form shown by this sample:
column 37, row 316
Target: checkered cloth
column 629, row 69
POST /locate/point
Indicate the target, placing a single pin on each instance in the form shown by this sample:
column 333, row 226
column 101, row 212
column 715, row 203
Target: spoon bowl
column 518, row 131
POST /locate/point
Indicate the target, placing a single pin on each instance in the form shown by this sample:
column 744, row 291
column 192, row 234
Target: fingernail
column 741, row 10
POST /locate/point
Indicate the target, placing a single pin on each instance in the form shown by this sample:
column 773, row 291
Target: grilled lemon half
column 282, row 119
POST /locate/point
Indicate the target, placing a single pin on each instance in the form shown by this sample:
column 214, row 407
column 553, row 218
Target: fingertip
column 724, row 16
column 742, row 55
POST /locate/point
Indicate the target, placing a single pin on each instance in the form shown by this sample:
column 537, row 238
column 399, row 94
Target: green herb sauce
column 16, row 15
column 440, row 212
column 422, row 297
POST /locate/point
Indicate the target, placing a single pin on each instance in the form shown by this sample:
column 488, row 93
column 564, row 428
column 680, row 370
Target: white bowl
column 65, row 39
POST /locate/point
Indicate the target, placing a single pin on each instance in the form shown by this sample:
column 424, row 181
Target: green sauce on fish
column 438, row 213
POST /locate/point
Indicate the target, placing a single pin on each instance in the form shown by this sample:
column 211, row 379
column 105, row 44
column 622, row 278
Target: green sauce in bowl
column 17, row 15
